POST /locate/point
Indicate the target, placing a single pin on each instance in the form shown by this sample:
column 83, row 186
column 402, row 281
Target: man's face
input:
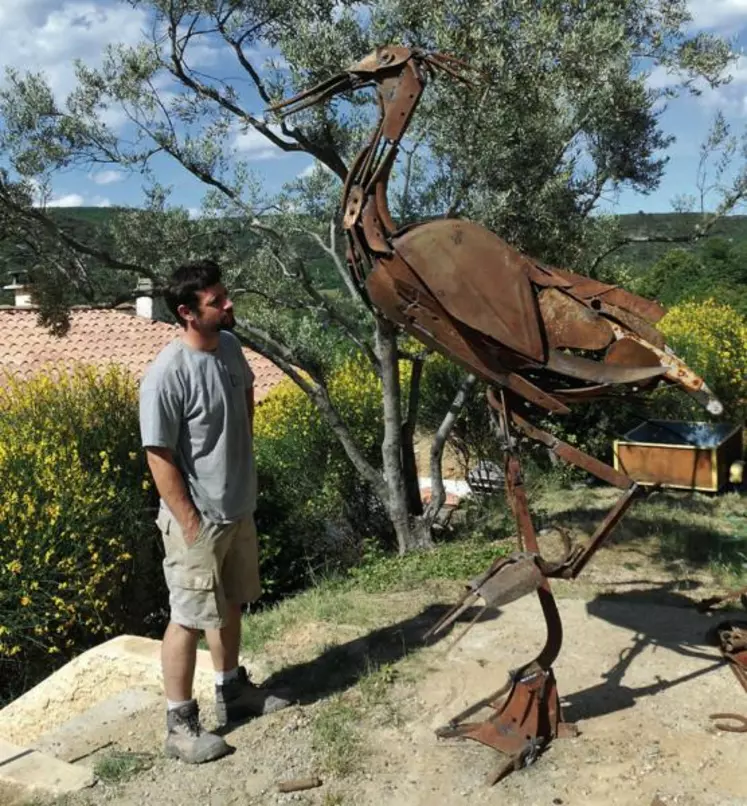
column 214, row 310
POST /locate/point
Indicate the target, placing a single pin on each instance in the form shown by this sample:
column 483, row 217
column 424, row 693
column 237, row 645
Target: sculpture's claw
column 507, row 580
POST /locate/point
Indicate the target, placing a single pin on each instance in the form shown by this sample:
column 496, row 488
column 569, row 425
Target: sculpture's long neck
column 367, row 219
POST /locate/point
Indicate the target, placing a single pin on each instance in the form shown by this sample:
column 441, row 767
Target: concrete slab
column 26, row 767
column 98, row 727
column 123, row 663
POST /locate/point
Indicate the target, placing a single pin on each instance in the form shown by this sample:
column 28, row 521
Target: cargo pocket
column 162, row 521
column 193, row 598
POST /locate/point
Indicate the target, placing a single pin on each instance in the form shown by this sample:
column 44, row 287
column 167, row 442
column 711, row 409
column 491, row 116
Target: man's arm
column 172, row 489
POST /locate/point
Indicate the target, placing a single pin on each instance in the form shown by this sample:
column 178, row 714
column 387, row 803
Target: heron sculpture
column 543, row 338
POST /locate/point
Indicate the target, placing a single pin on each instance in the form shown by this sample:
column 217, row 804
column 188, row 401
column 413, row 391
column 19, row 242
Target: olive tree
column 560, row 113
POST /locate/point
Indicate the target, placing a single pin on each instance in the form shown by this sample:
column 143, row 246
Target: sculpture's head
column 377, row 66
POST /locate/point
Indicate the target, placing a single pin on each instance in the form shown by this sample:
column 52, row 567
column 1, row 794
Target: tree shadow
column 674, row 625
column 341, row 667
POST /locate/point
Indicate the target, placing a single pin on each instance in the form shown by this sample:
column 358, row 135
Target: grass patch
column 375, row 685
column 336, row 739
column 459, row 560
column 694, row 529
column 346, row 600
column 113, row 768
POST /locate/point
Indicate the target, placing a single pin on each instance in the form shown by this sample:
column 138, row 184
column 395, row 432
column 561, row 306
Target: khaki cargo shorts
column 220, row 567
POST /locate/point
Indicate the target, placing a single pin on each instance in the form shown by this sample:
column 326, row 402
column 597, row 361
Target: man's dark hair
column 186, row 281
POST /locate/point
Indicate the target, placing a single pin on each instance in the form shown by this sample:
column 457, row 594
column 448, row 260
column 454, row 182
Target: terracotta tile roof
column 99, row 338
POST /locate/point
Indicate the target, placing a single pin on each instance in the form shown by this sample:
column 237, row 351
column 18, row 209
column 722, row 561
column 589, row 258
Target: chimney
column 147, row 304
column 20, row 283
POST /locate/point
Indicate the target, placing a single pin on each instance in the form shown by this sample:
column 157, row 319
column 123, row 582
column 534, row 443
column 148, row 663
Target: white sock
column 221, row 678
column 172, row 706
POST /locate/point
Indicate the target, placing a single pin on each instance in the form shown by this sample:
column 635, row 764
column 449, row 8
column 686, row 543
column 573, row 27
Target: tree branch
column 438, row 493
column 312, row 384
column 78, row 246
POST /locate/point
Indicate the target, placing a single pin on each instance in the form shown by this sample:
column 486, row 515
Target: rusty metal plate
column 639, row 306
column 639, row 326
column 511, row 582
column 479, row 279
column 630, row 353
column 401, row 96
column 569, row 323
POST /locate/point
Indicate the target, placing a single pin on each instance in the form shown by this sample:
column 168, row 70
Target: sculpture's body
column 462, row 290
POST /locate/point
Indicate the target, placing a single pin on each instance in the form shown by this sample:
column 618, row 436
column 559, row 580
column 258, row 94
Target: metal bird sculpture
column 536, row 334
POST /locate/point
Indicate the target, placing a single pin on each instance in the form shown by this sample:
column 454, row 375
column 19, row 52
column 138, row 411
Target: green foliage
column 458, row 560
column 79, row 559
column 716, row 270
column 313, row 508
column 336, row 739
column 712, row 339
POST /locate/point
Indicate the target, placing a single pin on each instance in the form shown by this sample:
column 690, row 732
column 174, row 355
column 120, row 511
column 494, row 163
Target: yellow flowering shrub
column 712, row 339
column 310, row 496
column 72, row 509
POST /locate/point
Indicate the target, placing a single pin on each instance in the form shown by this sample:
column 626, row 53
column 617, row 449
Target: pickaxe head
column 378, row 65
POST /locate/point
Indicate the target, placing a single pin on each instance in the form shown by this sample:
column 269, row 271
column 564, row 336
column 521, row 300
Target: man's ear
column 186, row 313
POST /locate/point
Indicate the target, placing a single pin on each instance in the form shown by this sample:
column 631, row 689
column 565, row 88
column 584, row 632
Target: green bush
column 78, row 559
column 313, row 507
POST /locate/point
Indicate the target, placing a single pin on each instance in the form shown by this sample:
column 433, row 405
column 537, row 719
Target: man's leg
column 224, row 642
column 236, row 697
column 178, row 658
column 188, row 570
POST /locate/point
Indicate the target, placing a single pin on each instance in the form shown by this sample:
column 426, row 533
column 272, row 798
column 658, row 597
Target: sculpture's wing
column 479, row 279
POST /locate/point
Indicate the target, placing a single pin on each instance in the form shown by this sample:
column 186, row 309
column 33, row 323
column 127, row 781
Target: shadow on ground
column 695, row 531
column 342, row 666
column 658, row 617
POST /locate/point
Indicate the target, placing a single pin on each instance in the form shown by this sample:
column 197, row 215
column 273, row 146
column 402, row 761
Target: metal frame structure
column 543, row 338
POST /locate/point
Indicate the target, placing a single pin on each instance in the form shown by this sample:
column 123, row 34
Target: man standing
column 196, row 414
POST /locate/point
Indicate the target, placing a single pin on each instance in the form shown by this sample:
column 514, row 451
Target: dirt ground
column 635, row 675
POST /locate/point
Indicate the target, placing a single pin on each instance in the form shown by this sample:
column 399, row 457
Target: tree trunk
column 410, row 531
column 409, row 465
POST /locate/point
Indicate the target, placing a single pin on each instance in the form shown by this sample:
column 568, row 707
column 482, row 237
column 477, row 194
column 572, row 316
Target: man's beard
column 229, row 324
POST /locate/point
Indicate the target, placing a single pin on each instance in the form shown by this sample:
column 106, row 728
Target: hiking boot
column 188, row 740
column 240, row 698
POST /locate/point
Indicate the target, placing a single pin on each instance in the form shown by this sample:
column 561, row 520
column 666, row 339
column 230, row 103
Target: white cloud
column 731, row 98
column 69, row 200
column 107, row 177
column 718, row 14
column 43, row 197
column 255, row 146
column 47, row 35
column 308, row 171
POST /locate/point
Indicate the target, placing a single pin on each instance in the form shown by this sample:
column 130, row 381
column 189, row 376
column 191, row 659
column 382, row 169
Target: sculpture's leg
column 527, row 714
column 579, row 556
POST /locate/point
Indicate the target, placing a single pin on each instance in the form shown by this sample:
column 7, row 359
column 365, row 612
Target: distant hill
column 85, row 221
column 643, row 255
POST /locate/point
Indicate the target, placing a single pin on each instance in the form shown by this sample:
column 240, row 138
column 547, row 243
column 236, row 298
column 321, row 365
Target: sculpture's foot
column 528, row 717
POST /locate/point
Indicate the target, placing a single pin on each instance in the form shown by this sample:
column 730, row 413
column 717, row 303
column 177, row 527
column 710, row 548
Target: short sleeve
column 246, row 366
column 160, row 414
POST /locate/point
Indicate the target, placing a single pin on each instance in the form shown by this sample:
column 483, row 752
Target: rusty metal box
column 682, row 455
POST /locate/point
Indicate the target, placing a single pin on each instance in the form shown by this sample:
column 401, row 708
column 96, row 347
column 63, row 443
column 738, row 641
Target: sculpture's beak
column 316, row 95
column 456, row 68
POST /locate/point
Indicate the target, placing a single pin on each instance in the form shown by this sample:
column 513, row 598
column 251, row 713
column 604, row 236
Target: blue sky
column 48, row 34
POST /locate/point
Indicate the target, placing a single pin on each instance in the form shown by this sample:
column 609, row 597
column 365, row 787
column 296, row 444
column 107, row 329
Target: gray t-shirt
column 194, row 403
